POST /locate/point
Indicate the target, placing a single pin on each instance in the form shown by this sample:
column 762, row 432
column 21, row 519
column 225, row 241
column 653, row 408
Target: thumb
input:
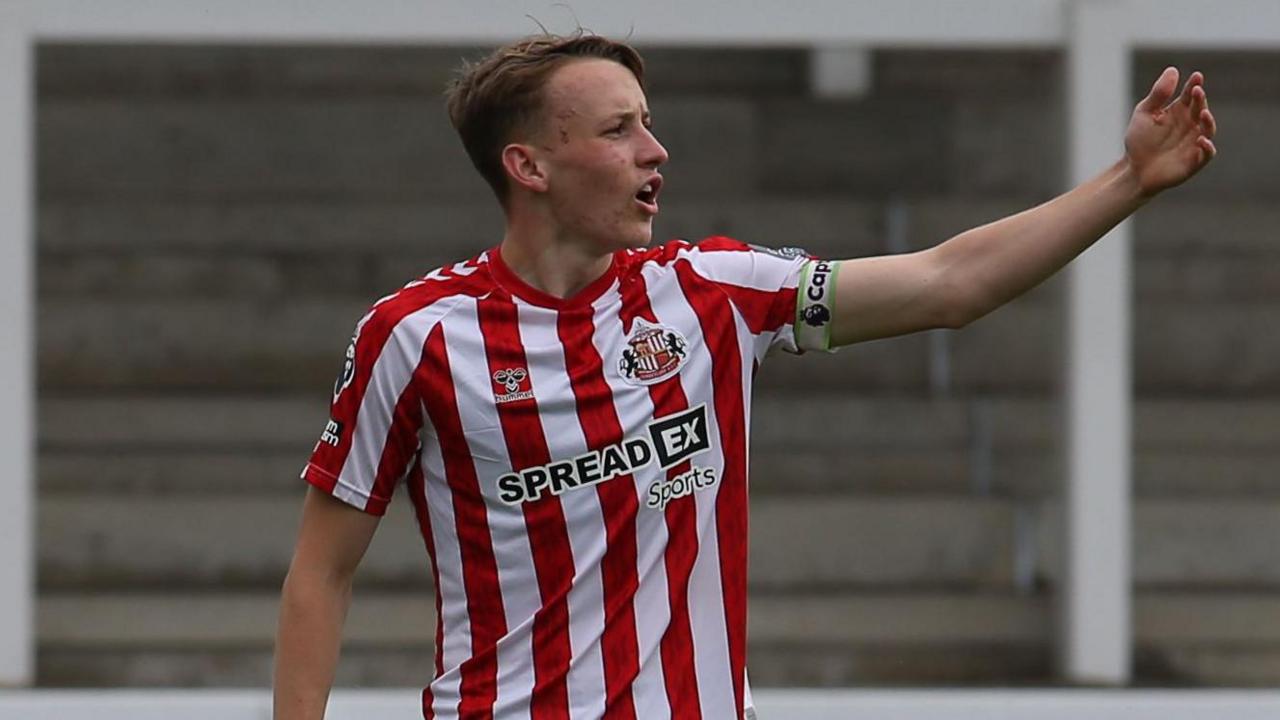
column 1162, row 91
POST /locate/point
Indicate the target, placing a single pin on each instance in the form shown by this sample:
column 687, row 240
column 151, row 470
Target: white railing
column 770, row 704
column 1097, row 35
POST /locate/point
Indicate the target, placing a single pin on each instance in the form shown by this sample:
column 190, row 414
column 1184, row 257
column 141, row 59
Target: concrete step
column 161, row 471
column 1207, row 667
column 250, row 448
column 71, row 667
column 1028, row 472
column 295, row 343
column 404, row 149
column 268, row 227
column 833, row 227
column 978, row 469
column 223, row 423
column 155, row 149
column 878, row 147
column 338, row 148
column 112, row 541
column 985, row 73
column 176, row 621
column 1007, row 472
column 1205, row 278
column 1181, row 347
column 854, row 147
column 818, row 422
column 165, row 146
column 192, row 344
column 1203, row 543
column 802, row 423
column 84, row 70
column 1182, row 225
column 235, row 71
column 96, row 247
column 174, row 639
column 1235, row 74
column 193, row 70
column 168, row 620
column 217, row 542
column 977, row 665
column 813, row 540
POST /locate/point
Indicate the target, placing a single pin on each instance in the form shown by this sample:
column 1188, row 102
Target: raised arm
column 317, row 592
column 973, row 273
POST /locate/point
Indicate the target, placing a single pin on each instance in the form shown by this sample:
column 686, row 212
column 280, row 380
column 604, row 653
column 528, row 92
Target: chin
column 641, row 241
column 643, row 237
column 637, row 238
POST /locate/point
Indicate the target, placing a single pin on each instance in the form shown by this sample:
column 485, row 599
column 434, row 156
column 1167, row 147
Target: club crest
column 652, row 354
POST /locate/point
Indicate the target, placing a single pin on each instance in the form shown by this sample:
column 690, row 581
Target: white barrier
column 771, row 704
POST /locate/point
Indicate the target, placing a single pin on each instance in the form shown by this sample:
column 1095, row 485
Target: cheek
column 604, row 177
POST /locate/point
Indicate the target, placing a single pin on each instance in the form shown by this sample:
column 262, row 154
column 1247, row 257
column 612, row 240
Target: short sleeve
column 762, row 283
column 375, row 416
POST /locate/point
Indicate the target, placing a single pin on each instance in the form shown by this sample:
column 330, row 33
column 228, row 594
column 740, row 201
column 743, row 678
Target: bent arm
column 313, row 605
column 975, row 272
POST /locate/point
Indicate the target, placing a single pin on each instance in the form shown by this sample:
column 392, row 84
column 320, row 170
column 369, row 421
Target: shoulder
column 429, row 297
column 680, row 248
column 720, row 258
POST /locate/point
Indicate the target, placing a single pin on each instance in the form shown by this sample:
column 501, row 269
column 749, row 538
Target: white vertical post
column 1096, row 598
column 17, row 486
column 840, row 72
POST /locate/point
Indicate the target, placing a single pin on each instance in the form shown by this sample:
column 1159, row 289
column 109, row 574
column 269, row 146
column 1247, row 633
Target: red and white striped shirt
column 579, row 471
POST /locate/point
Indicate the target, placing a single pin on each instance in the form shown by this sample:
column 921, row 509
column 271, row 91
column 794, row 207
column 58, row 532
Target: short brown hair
column 494, row 98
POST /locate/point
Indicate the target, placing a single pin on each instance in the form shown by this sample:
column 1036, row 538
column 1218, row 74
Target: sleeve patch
column 786, row 253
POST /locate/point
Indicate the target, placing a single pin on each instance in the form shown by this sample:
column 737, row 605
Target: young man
column 568, row 410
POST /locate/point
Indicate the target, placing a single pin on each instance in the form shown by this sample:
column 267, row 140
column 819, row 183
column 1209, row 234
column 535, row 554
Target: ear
column 524, row 167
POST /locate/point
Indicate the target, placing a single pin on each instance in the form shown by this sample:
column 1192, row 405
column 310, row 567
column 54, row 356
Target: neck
column 556, row 265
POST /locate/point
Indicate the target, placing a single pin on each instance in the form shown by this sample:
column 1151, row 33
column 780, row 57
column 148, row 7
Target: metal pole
column 1096, row 598
column 17, row 486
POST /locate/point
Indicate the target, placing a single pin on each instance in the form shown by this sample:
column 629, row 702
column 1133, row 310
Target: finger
column 1161, row 91
column 1208, row 124
column 1188, row 91
column 1207, row 147
column 1199, row 103
column 1199, row 99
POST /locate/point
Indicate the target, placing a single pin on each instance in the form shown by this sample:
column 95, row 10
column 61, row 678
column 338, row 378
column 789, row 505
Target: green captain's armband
column 816, row 305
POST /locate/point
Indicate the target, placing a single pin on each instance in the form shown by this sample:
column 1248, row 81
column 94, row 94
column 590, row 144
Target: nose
column 653, row 154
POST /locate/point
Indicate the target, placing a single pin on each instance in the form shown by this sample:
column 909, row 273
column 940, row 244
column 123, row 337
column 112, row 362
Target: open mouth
column 647, row 196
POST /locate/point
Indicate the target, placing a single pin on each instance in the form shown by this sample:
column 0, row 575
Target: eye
column 616, row 129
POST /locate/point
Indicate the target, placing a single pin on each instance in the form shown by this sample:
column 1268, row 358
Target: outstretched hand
column 1169, row 139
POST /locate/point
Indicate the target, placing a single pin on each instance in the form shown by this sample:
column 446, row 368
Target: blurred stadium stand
column 213, row 219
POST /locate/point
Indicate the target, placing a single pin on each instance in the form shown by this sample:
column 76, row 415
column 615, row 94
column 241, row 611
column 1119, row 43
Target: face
column 599, row 156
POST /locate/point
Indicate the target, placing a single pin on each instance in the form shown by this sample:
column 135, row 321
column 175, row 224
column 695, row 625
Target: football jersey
column 578, row 468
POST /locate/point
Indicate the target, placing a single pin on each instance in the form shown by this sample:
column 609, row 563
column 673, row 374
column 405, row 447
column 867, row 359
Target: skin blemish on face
column 563, row 119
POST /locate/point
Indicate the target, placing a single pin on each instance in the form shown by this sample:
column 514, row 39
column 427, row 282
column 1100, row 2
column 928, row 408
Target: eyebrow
column 627, row 115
